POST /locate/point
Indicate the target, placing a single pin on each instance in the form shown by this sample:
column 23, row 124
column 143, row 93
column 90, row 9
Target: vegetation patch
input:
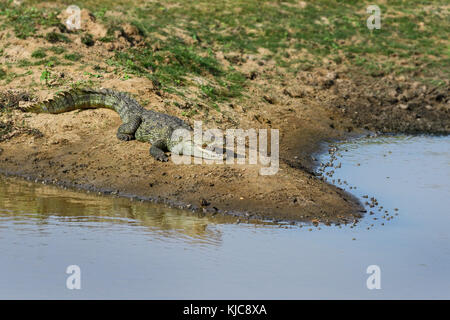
column 73, row 56
column 39, row 54
column 87, row 39
column 183, row 42
column 57, row 49
column 54, row 37
column 25, row 20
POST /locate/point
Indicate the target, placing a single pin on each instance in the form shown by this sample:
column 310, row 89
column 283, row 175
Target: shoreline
column 242, row 209
column 79, row 150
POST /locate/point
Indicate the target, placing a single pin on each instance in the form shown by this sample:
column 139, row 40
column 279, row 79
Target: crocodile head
column 182, row 143
column 204, row 151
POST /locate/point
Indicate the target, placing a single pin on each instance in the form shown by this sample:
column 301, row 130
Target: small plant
column 189, row 113
column 107, row 39
column 88, row 40
column 2, row 74
column 45, row 76
column 100, row 13
column 82, row 84
column 24, row 63
column 216, row 107
column 91, row 75
column 57, row 49
column 39, row 54
column 73, row 56
column 54, row 37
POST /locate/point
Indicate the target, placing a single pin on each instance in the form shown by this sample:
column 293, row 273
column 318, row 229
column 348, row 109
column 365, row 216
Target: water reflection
column 29, row 203
column 142, row 251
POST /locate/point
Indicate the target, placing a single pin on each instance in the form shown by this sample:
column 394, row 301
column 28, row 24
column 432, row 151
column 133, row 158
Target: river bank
column 80, row 150
column 309, row 104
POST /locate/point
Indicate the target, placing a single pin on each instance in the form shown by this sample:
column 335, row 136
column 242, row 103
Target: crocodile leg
column 156, row 150
column 127, row 130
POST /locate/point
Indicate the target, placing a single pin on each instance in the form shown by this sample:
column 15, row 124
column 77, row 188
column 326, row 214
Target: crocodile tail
column 81, row 99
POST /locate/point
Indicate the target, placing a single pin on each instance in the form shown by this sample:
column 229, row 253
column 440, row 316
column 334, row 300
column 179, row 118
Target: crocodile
column 138, row 123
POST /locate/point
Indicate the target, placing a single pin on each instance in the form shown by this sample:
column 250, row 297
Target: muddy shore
column 98, row 162
column 79, row 150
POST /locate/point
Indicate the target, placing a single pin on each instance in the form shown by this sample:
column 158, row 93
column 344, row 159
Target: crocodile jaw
column 189, row 148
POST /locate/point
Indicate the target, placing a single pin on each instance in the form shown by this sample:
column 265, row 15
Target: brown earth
column 80, row 149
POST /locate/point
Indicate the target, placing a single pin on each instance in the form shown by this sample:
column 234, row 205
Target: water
column 135, row 250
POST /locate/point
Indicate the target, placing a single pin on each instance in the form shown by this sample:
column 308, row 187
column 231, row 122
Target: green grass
column 413, row 38
column 73, row 56
column 173, row 62
column 25, row 20
column 3, row 74
column 246, row 25
column 57, row 49
column 49, row 61
column 39, row 53
column 54, row 37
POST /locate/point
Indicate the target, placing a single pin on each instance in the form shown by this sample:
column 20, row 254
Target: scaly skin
column 138, row 123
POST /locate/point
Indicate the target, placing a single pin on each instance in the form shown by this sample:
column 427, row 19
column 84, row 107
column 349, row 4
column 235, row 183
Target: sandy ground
column 80, row 149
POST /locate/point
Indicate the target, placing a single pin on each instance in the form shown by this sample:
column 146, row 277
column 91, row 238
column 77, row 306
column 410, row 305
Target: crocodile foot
column 162, row 157
column 125, row 137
